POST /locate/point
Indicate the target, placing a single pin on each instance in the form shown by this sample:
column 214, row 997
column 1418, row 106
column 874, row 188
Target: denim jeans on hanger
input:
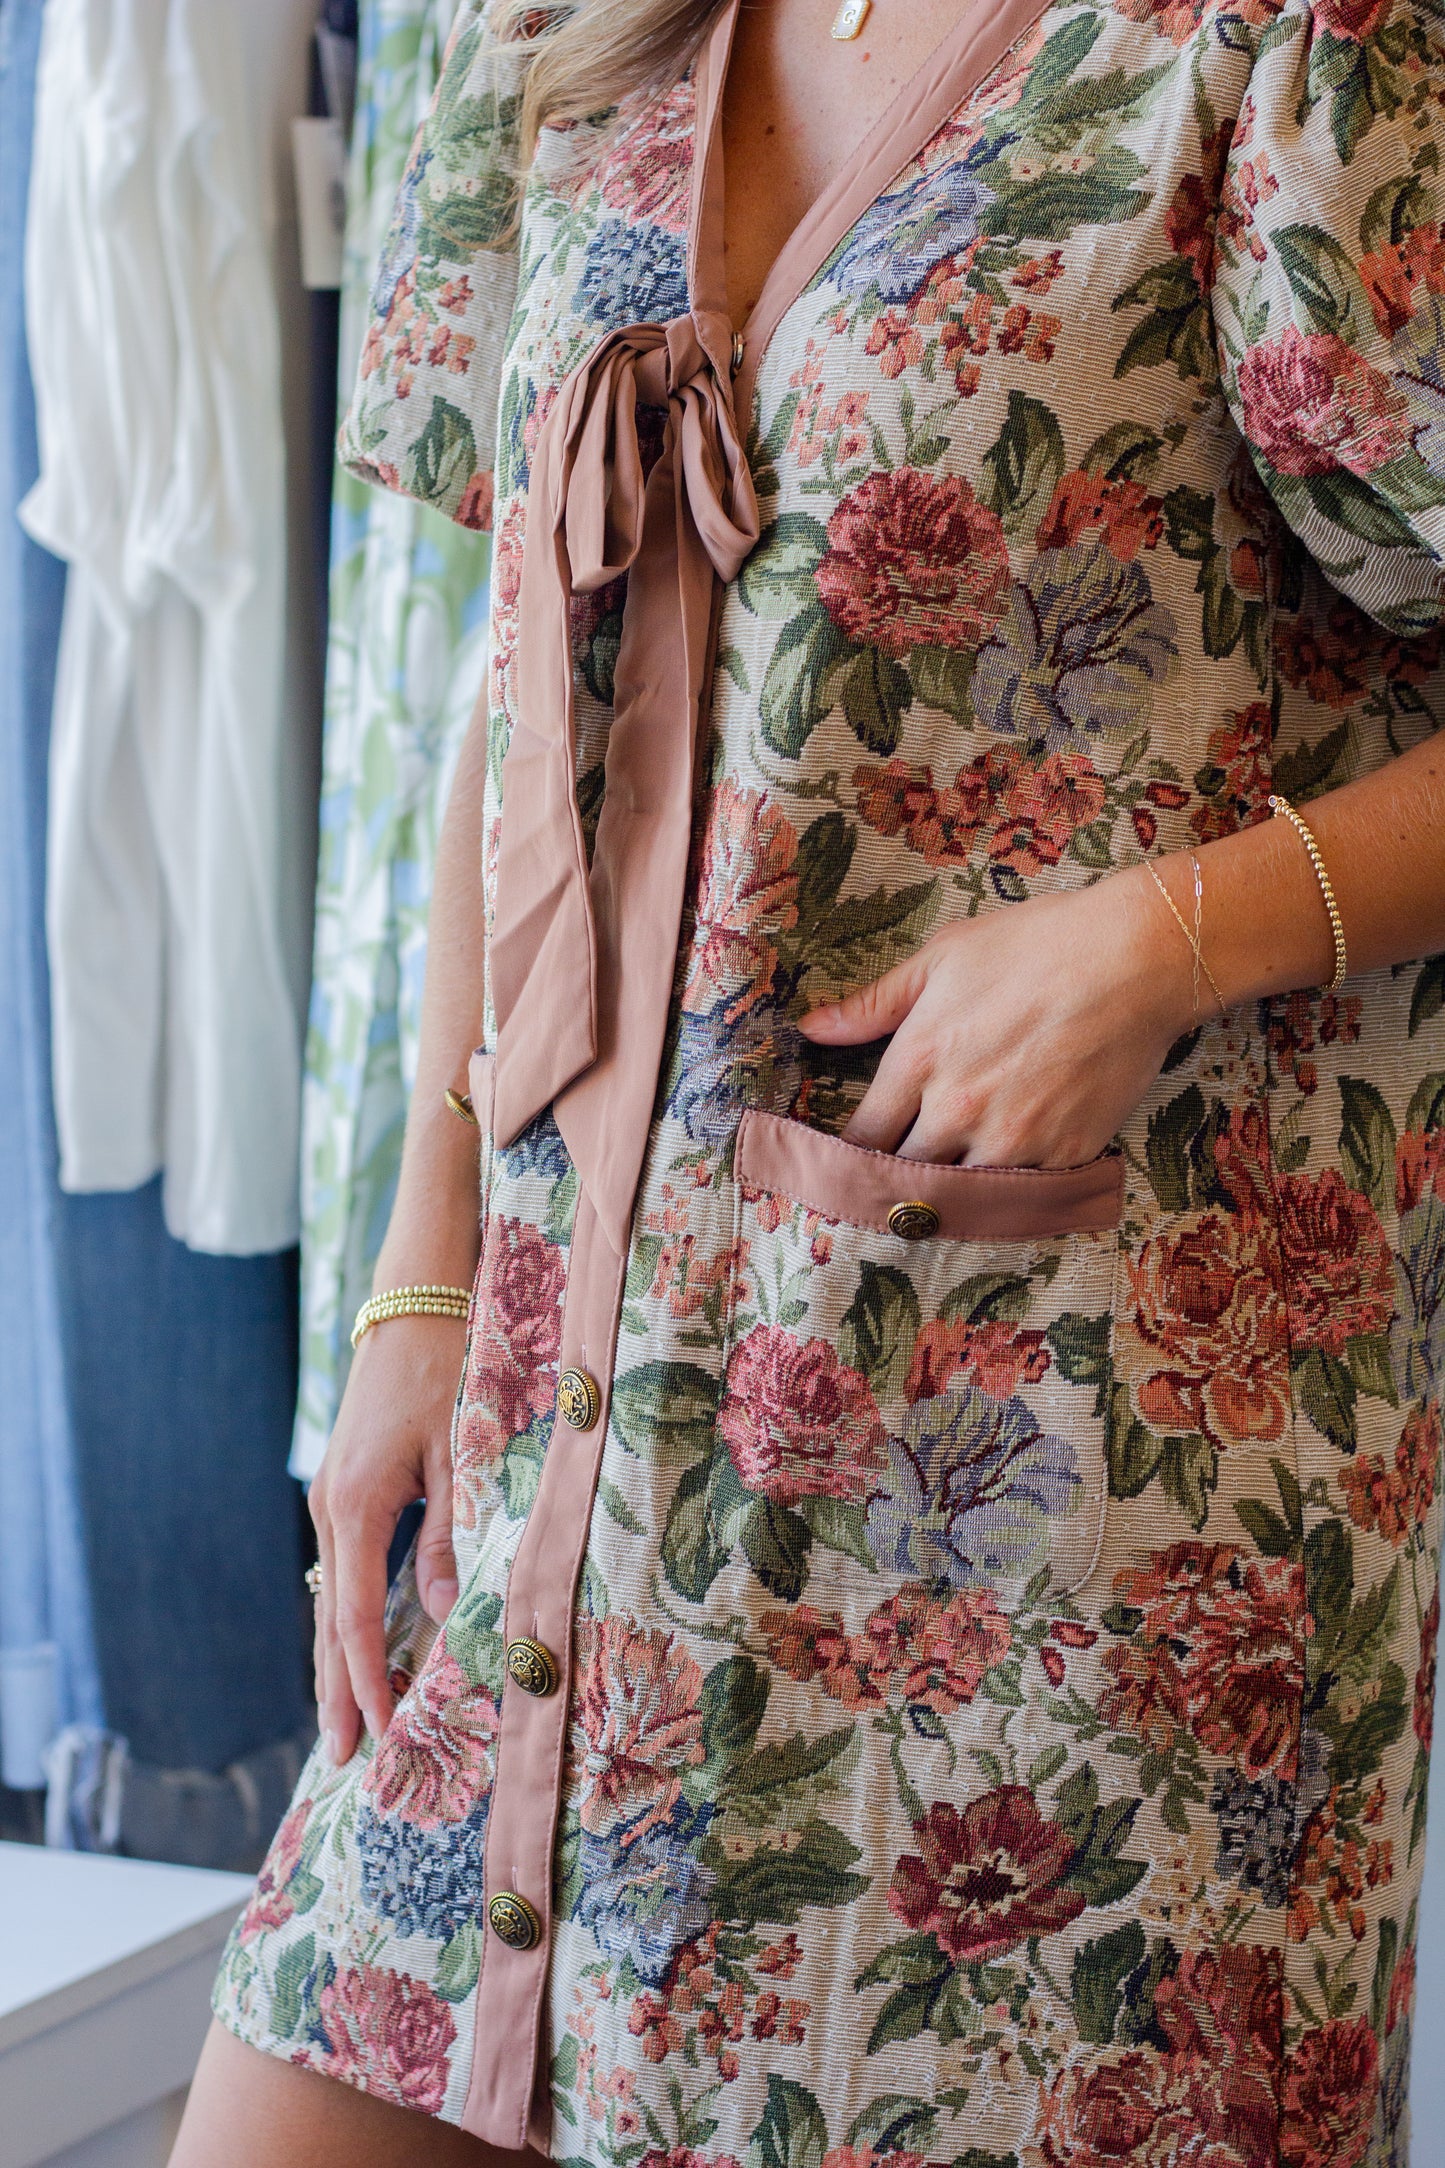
column 147, row 1523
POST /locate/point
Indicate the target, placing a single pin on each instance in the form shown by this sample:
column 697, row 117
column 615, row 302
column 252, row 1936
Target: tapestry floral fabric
column 405, row 662
column 1003, row 1670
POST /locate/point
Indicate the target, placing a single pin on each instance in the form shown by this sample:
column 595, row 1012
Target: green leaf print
column 1021, row 469
column 1096, row 1983
column 1189, row 1473
column 1081, row 1351
column 941, row 679
column 792, row 2132
column 666, row 1411
column 459, row 1962
column 880, row 1326
column 776, row 1542
column 444, row 457
column 1367, row 1141
column 779, row 576
column 779, row 1881
column 1427, row 1103
column 1305, row 769
column 1166, row 1150
column 874, row 691
column 1134, row 1450
column 1324, row 282
column 800, row 686
column 1427, row 996
column 292, row 1966
column 1367, row 1357
column 786, row 1764
column 1177, row 327
column 733, row 1700
column 695, row 1545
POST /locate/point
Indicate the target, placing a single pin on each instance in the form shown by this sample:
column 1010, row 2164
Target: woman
column 946, row 1458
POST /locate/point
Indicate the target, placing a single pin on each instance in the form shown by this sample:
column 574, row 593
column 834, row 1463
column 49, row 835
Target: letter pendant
column 851, row 17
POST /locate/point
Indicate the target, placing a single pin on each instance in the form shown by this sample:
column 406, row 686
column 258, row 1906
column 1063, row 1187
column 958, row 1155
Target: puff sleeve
column 423, row 414
column 1329, row 298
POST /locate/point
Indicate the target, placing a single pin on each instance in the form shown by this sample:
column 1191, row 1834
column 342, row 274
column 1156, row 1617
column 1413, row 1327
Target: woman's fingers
column 872, row 1011
column 436, row 1566
column 339, row 1716
column 362, row 1537
column 889, row 1107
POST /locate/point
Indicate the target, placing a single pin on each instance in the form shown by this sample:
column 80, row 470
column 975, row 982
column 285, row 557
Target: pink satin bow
column 582, row 964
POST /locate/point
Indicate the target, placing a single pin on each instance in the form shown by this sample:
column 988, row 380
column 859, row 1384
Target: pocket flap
column 481, row 1078
column 974, row 1204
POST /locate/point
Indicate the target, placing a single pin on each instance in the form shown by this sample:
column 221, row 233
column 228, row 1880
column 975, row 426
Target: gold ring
column 312, row 1577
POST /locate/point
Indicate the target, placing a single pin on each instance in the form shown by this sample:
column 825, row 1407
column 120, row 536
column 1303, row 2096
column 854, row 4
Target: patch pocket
column 916, row 1362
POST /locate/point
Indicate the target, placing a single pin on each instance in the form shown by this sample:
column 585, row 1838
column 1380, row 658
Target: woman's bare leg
column 247, row 2108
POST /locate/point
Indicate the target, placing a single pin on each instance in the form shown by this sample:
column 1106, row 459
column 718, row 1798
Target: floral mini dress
column 945, row 1656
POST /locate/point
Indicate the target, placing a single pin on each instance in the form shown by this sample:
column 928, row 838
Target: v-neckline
column 955, row 67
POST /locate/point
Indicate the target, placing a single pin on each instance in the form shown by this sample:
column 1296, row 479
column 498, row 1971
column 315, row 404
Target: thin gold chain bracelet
column 410, row 1302
column 1337, row 925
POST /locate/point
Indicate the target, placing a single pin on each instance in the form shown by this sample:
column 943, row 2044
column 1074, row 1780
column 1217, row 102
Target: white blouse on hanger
column 182, row 795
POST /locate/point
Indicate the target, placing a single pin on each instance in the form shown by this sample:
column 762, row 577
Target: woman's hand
column 391, row 1445
column 1025, row 1037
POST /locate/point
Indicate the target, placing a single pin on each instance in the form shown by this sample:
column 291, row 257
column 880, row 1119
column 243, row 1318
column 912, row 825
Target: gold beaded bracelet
column 1337, row 924
column 410, row 1302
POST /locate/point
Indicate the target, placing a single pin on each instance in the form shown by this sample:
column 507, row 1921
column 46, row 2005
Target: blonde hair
column 586, row 55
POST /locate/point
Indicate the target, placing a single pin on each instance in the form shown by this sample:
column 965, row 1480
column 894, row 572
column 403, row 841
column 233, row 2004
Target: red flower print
column 1313, row 405
column 1030, row 812
column 934, row 1654
column 797, row 1422
column 1222, row 2013
column 1419, row 1168
column 1339, row 1270
column 475, row 508
column 914, row 562
column 747, row 894
column 1327, row 2099
column 649, row 164
column 1423, row 1715
column 684, row 2156
column 515, row 1338
column 1402, row 1988
column 1208, row 1328
column 998, row 1357
column 1217, row 1652
column 1237, row 770
column 387, row 2034
column 814, row 1645
column 1351, row 20
column 897, row 343
column 271, row 1902
column 437, row 1755
column 1125, row 516
column 1397, row 1500
column 1122, row 2105
column 637, row 1723
column 987, row 1879
column 1189, row 221
column 1300, row 1022
column 1393, row 275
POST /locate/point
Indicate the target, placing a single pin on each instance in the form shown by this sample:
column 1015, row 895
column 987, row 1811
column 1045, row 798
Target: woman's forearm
column 1265, row 928
column 433, row 1233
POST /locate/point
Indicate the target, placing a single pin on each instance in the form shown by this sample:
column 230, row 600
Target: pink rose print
column 637, row 1722
column 1218, row 1652
column 1339, row 1269
column 271, row 1902
column 797, row 1422
column 437, row 1756
column 1328, row 2096
column 387, row 2034
column 1208, row 1329
column 1314, row 405
column 515, row 1338
column 914, row 562
column 747, row 896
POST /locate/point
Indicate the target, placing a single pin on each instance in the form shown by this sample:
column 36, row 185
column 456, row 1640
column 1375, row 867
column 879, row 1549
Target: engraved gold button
column 914, row 1220
column 513, row 1920
column 531, row 1665
column 461, row 1105
column 578, row 1399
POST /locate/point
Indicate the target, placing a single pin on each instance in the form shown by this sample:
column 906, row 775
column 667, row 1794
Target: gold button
column 739, row 349
column 531, row 1665
column 513, row 1920
column 914, row 1220
column 579, row 1399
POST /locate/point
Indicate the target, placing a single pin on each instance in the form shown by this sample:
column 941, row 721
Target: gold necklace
column 851, row 17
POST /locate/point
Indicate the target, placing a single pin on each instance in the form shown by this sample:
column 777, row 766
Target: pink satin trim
column 974, row 1204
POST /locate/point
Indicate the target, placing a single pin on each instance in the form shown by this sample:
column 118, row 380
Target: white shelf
column 105, row 1975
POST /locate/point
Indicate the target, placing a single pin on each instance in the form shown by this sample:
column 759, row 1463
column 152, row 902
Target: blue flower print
column 1077, row 653
column 973, row 1485
column 721, row 1067
column 645, row 1899
column 634, row 275
column 907, row 234
column 424, row 1881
